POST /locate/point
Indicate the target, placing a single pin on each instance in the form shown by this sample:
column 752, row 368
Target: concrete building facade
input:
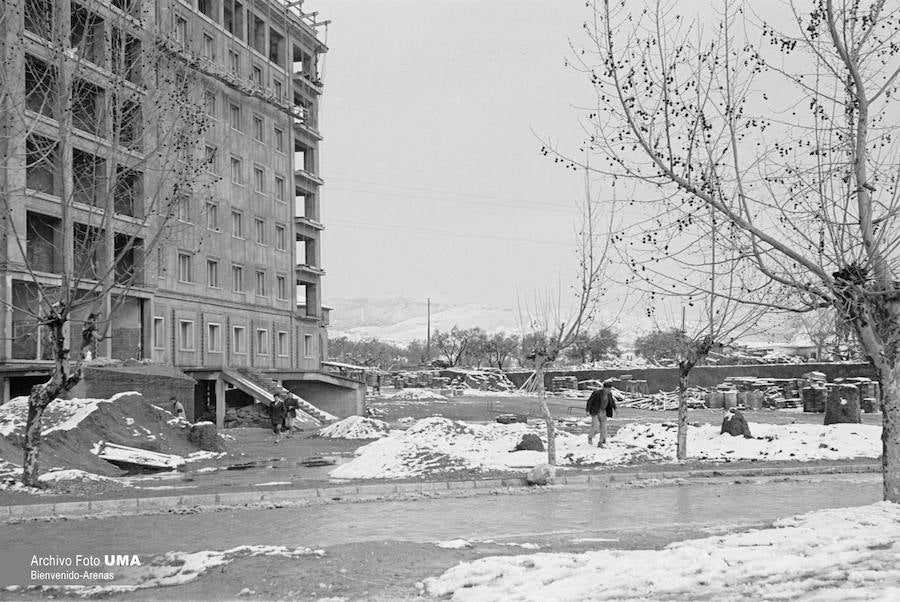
column 230, row 287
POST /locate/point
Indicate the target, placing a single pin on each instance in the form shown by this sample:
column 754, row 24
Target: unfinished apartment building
column 183, row 174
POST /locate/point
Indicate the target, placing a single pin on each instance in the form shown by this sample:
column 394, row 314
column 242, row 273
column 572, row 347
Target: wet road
column 580, row 512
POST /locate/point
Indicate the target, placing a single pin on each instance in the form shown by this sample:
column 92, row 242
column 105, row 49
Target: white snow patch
column 835, row 554
column 271, row 483
column 129, row 420
column 436, row 444
column 204, row 455
column 453, row 544
column 72, row 474
column 177, row 568
column 415, row 395
column 355, row 427
column 60, row 415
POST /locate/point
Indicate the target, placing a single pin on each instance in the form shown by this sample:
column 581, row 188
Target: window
column 237, row 339
column 159, row 332
column 259, row 179
column 237, row 278
column 209, row 47
column 237, row 224
column 282, row 343
column 212, row 273
column 209, row 158
column 260, row 226
column 280, row 238
column 160, row 262
column 234, row 113
column 278, row 89
column 186, row 335
column 279, row 140
column 262, row 341
column 183, row 209
column 307, row 345
column 281, row 287
column 256, row 75
column 234, row 63
column 237, row 177
column 212, row 216
column 209, row 101
column 214, row 338
column 184, row 267
column 180, row 30
column 261, row 283
column 258, row 128
column 279, row 188
column 207, row 7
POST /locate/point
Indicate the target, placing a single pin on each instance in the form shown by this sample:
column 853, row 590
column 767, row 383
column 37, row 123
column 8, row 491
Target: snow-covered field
column 414, row 395
column 438, row 444
column 836, row 554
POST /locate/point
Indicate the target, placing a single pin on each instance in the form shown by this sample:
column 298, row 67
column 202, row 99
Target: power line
column 389, row 228
column 509, row 202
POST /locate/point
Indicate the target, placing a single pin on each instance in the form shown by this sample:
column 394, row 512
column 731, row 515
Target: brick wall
column 705, row 376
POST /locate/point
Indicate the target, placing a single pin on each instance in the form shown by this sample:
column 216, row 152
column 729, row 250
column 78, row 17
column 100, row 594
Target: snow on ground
column 835, row 554
column 355, row 427
column 61, row 415
column 73, row 474
column 415, row 395
column 438, row 444
column 174, row 568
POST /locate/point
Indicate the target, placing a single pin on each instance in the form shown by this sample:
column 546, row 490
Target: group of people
column 601, row 406
column 282, row 413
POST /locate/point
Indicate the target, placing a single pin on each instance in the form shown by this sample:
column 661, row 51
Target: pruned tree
column 500, row 348
column 803, row 182
column 550, row 324
column 115, row 157
column 591, row 347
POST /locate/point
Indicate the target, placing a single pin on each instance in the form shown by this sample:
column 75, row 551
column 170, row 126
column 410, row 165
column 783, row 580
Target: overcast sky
column 435, row 184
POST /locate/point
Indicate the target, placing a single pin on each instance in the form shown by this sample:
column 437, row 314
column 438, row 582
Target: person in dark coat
column 600, row 406
column 291, row 406
column 277, row 414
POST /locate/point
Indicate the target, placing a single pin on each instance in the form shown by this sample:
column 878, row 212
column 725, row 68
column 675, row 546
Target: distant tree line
column 469, row 348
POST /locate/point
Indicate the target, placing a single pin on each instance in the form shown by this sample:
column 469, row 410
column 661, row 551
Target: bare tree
column 550, row 324
column 500, row 347
column 456, row 343
column 103, row 125
column 785, row 133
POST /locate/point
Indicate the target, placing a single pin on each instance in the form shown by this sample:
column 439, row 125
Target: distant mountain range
column 402, row 320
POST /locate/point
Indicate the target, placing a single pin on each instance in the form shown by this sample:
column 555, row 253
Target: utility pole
column 428, row 334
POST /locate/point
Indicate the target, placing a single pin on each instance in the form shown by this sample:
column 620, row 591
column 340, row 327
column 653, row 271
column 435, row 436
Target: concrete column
column 220, row 403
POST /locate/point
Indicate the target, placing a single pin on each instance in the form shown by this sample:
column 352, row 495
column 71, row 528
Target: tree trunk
column 681, row 453
column 890, row 434
column 42, row 395
column 545, row 410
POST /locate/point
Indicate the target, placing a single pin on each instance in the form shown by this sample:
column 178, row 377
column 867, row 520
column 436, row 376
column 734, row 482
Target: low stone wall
column 666, row 379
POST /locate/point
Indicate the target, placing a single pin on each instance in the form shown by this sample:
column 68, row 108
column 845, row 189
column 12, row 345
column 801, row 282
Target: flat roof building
column 163, row 156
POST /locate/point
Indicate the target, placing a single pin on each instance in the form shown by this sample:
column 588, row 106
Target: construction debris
column 131, row 458
column 664, row 400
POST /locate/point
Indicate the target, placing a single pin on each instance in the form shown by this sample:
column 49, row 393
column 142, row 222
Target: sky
column 433, row 116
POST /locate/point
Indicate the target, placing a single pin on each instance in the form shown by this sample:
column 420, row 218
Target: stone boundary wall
column 666, row 379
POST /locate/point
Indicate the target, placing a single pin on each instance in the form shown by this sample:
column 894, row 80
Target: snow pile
column 415, row 395
column 355, row 427
column 453, row 544
column 60, row 415
column 177, row 568
column 836, row 554
column 433, row 445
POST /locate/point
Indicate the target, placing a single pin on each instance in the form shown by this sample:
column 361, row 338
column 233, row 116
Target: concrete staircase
column 272, row 388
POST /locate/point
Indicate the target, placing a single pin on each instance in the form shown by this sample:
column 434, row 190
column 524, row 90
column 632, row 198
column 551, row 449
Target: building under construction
column 204, row 250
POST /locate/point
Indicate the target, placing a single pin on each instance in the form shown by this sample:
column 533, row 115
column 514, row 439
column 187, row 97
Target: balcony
column 308, row 273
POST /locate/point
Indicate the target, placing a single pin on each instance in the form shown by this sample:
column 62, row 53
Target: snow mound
column 415, row 395
column 453, row 544
column 73, row 474
column 355, row 427
column 60, row 415
column 434, row 445
column 835, row 554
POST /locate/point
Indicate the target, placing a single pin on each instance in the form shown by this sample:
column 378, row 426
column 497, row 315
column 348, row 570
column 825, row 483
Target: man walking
column 600, row 405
